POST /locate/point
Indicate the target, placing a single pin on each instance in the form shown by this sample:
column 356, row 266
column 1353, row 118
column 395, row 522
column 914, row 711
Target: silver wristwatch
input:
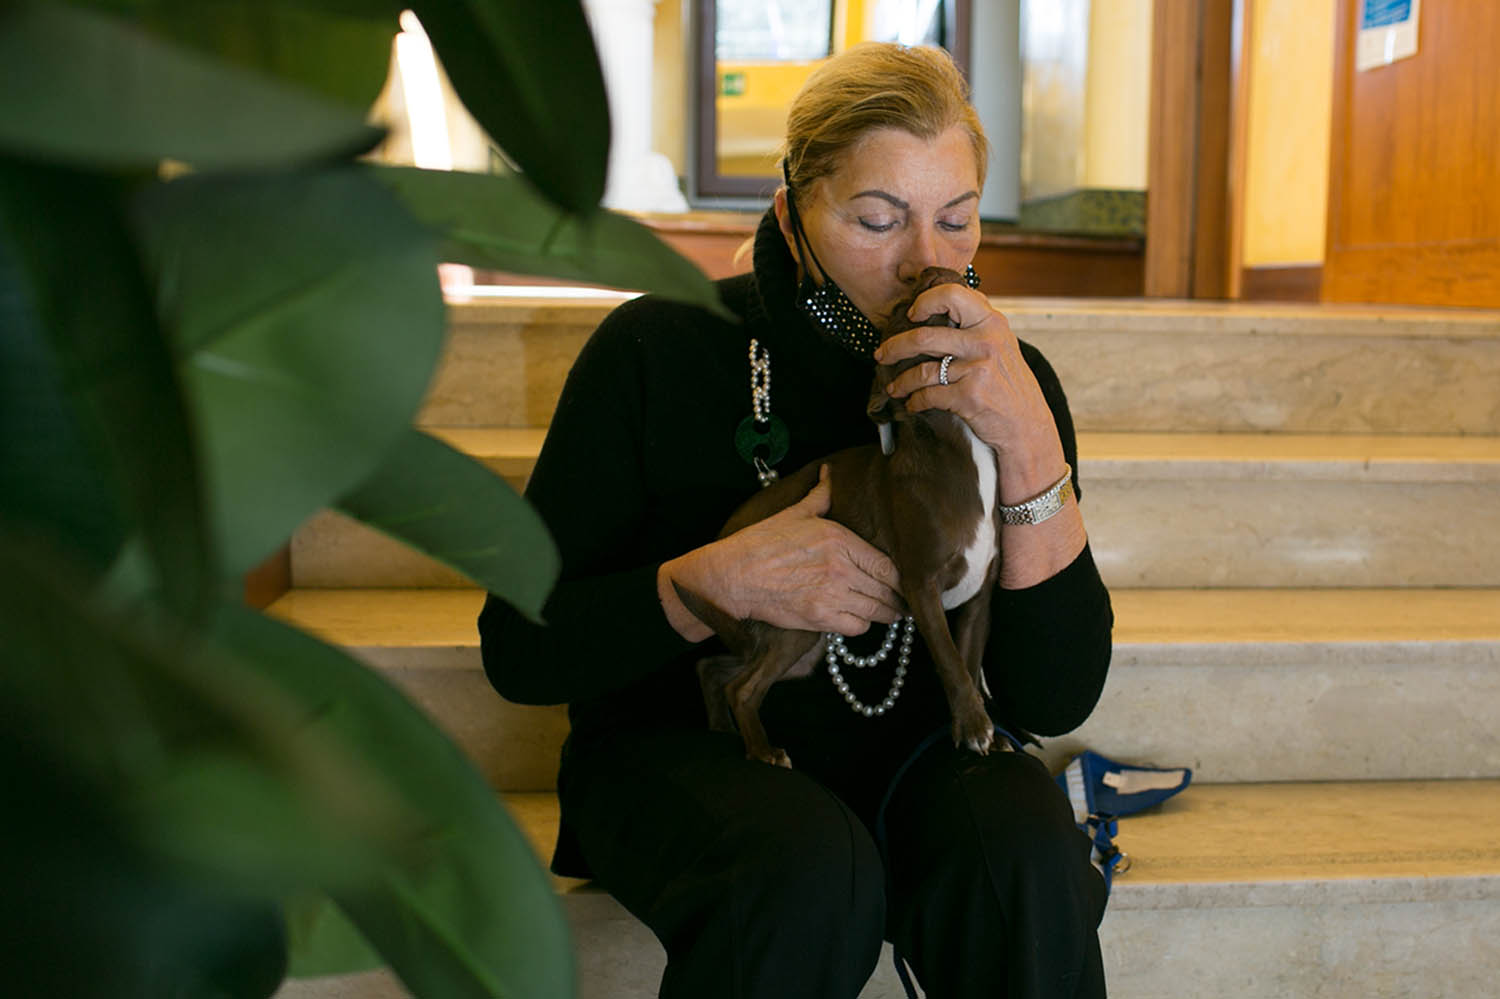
column 1039, row 508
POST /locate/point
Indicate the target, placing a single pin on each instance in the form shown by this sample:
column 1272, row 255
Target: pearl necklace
column 837, row 650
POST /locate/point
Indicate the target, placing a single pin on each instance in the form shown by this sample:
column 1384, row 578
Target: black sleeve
column 1050, row 644
column 604, row 623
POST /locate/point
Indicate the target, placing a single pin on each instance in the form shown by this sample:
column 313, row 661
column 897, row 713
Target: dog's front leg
column 971, row 723
column 973, row 629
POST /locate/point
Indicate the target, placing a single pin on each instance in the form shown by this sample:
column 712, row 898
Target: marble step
column 1240, row 685
column 1163, row 510
column 1339, row 890
column 1126, row 364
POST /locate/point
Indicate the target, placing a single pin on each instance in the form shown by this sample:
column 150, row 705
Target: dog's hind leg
column 780, row 654
column 971, row 723
column 972, row 629
column 714, row 674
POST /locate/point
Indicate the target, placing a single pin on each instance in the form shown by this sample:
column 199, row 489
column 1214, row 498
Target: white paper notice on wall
column 1387, row 32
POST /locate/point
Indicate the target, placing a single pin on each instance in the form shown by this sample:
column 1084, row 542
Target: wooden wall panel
column 1187, row 207
column 1414, row 179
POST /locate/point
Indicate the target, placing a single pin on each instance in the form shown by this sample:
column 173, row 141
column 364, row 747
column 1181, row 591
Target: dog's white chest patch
column 981, row 552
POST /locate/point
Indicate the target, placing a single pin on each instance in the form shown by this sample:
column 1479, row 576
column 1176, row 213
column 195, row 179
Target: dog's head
column 882, row 408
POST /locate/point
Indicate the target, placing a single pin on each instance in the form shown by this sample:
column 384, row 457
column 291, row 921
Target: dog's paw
column 975, row 731
column 775, row 757
column 982, row 742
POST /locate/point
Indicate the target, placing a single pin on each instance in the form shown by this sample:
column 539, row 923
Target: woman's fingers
column 818, row 499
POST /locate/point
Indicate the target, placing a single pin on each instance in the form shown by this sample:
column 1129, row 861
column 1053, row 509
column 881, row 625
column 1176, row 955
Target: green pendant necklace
column 761, row 438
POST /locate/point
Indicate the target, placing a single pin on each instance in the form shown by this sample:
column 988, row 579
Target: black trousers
column 766, row 883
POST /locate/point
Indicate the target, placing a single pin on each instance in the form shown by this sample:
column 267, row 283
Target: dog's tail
column 735, row 633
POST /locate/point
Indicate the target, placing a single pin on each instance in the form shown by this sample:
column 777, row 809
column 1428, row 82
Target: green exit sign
column 732, row 84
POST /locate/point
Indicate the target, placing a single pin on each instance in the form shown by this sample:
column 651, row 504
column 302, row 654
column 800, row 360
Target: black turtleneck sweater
column 639, row 466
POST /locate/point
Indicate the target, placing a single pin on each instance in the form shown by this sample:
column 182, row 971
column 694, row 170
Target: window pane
column 772, row 30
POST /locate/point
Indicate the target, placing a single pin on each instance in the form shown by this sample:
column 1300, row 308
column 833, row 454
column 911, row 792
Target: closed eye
column 877, row 226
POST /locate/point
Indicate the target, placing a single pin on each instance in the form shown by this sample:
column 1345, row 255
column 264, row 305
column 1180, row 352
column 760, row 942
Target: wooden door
column 1414, row 181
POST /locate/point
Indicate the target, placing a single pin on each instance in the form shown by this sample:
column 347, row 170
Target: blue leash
column 903, row 972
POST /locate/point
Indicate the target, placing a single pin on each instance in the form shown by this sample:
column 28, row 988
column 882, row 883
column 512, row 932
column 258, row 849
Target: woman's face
column 897, row 205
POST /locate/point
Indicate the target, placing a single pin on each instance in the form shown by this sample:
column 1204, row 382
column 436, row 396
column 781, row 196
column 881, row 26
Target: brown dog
column 927, row 496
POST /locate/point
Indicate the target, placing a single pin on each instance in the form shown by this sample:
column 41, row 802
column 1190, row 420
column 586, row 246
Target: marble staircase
column 1297, row 509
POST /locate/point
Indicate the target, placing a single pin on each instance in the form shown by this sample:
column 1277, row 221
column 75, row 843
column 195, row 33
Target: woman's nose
column 921, row 253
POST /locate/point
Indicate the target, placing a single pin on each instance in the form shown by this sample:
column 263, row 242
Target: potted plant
column 214, row 321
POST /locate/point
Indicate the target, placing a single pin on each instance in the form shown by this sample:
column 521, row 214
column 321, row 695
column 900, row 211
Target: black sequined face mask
column 827, row 304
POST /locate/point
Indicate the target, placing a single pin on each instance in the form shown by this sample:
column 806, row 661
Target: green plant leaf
column 91, row 913
column 307, row 319
column 444, row 503
column 533, row 82
column 95, row 437
column 340, row 49
column 127, row 747
column 322, row 941
column 497, row 221
column 256, row 762
column 469, row 912
column 198, row 753
column 51, row 471
column 93, row 91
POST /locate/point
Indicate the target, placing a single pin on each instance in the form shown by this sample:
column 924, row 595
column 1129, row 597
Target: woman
column 763, row 881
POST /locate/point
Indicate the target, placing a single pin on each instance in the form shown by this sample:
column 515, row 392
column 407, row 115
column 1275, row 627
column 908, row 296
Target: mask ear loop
column 798, row 232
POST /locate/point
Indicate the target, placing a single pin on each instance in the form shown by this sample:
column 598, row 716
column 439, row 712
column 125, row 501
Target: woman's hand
column 989, row 385
column 795, row 569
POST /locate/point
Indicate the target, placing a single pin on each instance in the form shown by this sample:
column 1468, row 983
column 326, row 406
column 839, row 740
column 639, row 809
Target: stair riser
column 1144, row 533
column 1448, row 949
column 510, row 372
column 1366, row 718
column 507, row 375
column 516, row 747
column 1253, row 382
column 1297, row 722
column 1278, row 533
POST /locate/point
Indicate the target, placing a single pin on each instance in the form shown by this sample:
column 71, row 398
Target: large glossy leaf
column 197, row 752
column 530, row 76
column 91, row 90
column 497, row 221
column 321, row 940
column 338, row 48
column 52, row 476
column 256, row 761
column 95, row 440
column 468, row 913
column 91, row 913
column 445, row 503
column 307, row 320
column 164, row 792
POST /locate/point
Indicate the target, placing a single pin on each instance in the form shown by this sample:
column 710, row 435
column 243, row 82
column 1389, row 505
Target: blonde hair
column 874, row 85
